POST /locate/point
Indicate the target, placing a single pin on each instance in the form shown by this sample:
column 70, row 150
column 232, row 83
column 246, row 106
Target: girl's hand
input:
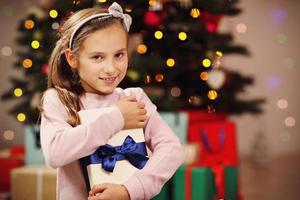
column 134, row 113
column 109, row 191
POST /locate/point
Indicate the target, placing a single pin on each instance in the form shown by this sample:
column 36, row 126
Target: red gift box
column 218, row 148
column 217, row 140
column 196, row 116
column 14, row 159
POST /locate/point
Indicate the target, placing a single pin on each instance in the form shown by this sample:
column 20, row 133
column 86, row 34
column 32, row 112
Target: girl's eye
column 119, row 55
column 97, row 58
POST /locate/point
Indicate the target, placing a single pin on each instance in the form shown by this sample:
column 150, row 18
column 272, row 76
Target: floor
column 279, row 179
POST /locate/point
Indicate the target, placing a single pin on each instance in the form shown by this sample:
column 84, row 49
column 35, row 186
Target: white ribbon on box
column 123, row 169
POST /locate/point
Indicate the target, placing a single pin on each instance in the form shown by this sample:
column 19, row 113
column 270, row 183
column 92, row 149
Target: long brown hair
column 61, row 76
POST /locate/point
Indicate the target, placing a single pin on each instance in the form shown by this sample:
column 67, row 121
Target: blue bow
column 107, row 155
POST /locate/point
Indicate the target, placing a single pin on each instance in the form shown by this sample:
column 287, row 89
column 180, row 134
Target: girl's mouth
column 108, row 80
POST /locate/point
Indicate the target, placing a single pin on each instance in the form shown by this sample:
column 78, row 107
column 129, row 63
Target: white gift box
column 123, row 169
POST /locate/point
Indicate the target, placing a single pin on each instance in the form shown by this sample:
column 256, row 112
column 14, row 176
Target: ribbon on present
column 217, row 166
column 107, row 155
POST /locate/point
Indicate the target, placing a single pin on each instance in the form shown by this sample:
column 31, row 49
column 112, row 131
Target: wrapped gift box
column 231, row 183
column 178, row 122
column 34, row 155
column 193, row 183
column 164, row 193
column 33, row 183
column 217, row 140
column 9, row 159
column 97, row 167
column 191, row 151
column 196, row 116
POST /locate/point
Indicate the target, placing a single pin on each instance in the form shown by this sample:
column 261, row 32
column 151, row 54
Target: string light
column 53, row 14
column 21, row 117
column 182, row 36
column 241, row 28
column 128, row 9
column 159, row 77
column 27, row 63
column 8, row 135
column 204, row 76
column 147, row 79
column 282, row 103
column 35, row 44
column 290, row 121
column 158, row 35
column 6, row 51
column 29, row 24
column 175, row 91
column 212, row 94
column 141, row 49
column 195, row 12
column 206, row 62
column 170, row 62
column 18, row 92
column 133, row 75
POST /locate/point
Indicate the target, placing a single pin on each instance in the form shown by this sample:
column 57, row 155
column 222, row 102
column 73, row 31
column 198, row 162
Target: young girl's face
column 103, row 60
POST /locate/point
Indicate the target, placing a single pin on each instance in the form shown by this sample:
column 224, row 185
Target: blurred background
column 209, row 64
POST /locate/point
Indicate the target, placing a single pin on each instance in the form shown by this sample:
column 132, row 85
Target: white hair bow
column 114, row 10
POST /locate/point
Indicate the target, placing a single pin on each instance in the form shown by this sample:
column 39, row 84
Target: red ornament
column 210, row 21
column 152, row 19
column 45, row 69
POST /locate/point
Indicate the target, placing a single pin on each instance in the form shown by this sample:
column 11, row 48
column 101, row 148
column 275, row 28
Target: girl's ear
column 71, row 59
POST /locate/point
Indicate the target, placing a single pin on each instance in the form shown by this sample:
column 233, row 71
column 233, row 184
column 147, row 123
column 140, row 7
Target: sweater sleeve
column 167, row 156
column 62, row 143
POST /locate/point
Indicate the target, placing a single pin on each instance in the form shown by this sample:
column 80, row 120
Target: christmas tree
column 177, row 60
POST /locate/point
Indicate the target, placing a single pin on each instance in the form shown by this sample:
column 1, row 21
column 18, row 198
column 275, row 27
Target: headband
column 115, row 10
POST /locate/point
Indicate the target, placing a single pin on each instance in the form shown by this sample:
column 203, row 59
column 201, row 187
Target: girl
column 86, row 65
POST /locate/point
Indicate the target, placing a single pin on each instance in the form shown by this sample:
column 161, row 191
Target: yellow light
column 159, row 77
column 101, row 1
column 152, row 2
column 35, row 44
column 170, row 62
column 158, row 35
column 219, row 54
column 141, row 49
column 128, row 9
column 206, row 62
column 182, row 36
column 204, row 76
column 27, row 63
column 195, row 12
column 18, row 92
column 21, row 117
column 29, row 24
column 133, row 75
column 212, row 94
column 53, row 14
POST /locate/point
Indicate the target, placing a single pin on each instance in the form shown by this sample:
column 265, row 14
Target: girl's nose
column 109, row 68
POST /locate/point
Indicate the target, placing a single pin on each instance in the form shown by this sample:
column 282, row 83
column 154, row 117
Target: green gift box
column 178, row 122
column 201, row 186
column 231, row 183
column 164, row 193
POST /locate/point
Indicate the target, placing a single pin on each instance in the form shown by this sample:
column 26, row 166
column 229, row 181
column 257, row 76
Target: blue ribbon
column 107, row 155
column 206, row 142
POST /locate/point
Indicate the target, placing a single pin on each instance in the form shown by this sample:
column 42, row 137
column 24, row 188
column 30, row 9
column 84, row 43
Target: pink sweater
column 63, row 145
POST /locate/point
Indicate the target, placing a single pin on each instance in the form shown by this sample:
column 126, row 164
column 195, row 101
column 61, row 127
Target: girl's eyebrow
column 99, row 52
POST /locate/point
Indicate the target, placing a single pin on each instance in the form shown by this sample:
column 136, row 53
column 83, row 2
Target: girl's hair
column 61, row 76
